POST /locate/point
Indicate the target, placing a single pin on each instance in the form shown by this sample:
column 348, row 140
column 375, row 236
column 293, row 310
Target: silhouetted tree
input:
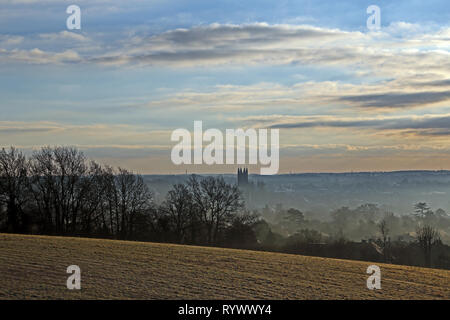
column 132, row 198
column 240, row 232
column 427, row 238
column 179, row 207
column 58, row 186
column 13, row 187
column 295, row 217
column 217, row 202
column 384, row 230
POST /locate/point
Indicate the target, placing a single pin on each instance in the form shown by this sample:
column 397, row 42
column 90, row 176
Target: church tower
column 242, row 176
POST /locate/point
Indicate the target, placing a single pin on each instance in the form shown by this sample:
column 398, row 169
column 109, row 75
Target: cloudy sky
column 344, row 98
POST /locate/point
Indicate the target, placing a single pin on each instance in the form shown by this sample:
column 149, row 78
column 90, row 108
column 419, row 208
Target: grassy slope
column 34, row 267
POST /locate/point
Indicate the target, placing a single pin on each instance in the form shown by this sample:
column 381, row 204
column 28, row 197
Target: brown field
column 34, row 267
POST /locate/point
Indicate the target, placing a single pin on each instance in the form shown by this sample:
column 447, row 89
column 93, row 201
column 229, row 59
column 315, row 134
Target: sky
column 344, row 98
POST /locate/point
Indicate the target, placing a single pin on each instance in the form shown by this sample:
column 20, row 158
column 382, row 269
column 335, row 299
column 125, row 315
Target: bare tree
column 110, row 199
column 132, row 197
column 179, row 207
column 58, row 185
column 93, row 212
column 70, row 191
column 427, row 237
column 384, row 230
column 13, row 186
column 217, row 203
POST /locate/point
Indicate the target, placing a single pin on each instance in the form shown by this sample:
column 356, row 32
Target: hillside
column 34, row 267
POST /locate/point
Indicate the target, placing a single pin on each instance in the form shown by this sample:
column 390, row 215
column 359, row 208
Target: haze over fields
column 324, row 192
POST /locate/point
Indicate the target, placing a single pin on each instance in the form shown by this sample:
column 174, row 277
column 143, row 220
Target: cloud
column 10, row 40
column 276, row 44
column 312, row 96
column 398, row 100
column 218, row 44
column 106, row 135
column 27, row 127
column 37, row 56
column 418, row 125
column 63, row 35
column 433, row 83
column 383, row 54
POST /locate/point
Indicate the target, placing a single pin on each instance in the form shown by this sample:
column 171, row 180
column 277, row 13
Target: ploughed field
column 34, row 267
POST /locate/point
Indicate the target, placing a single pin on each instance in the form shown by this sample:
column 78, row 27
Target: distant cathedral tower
column 242, row 176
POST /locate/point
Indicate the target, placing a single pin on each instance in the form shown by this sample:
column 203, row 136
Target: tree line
column 367, row 232
column 57, row 190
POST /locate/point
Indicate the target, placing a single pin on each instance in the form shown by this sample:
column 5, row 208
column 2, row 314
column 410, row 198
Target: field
column 34, row 267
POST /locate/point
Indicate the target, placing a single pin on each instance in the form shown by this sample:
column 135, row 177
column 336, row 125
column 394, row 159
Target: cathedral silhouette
column 242, row 176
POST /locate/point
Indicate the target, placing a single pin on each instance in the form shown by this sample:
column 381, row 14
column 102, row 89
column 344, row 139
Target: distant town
column 396, row 191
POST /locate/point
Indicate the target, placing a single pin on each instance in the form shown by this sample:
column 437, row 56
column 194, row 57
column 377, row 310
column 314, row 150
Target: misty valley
column 393, row 217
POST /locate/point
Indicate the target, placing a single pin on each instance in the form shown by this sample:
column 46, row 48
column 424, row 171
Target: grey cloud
column 436, row 125
column 422, row 123
column 328, row 123
column 434, row 132
column 26, row 130
column 435, row 83
column 254, row 33
column 232, row 43
column 244, row 44
column 396, row 100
